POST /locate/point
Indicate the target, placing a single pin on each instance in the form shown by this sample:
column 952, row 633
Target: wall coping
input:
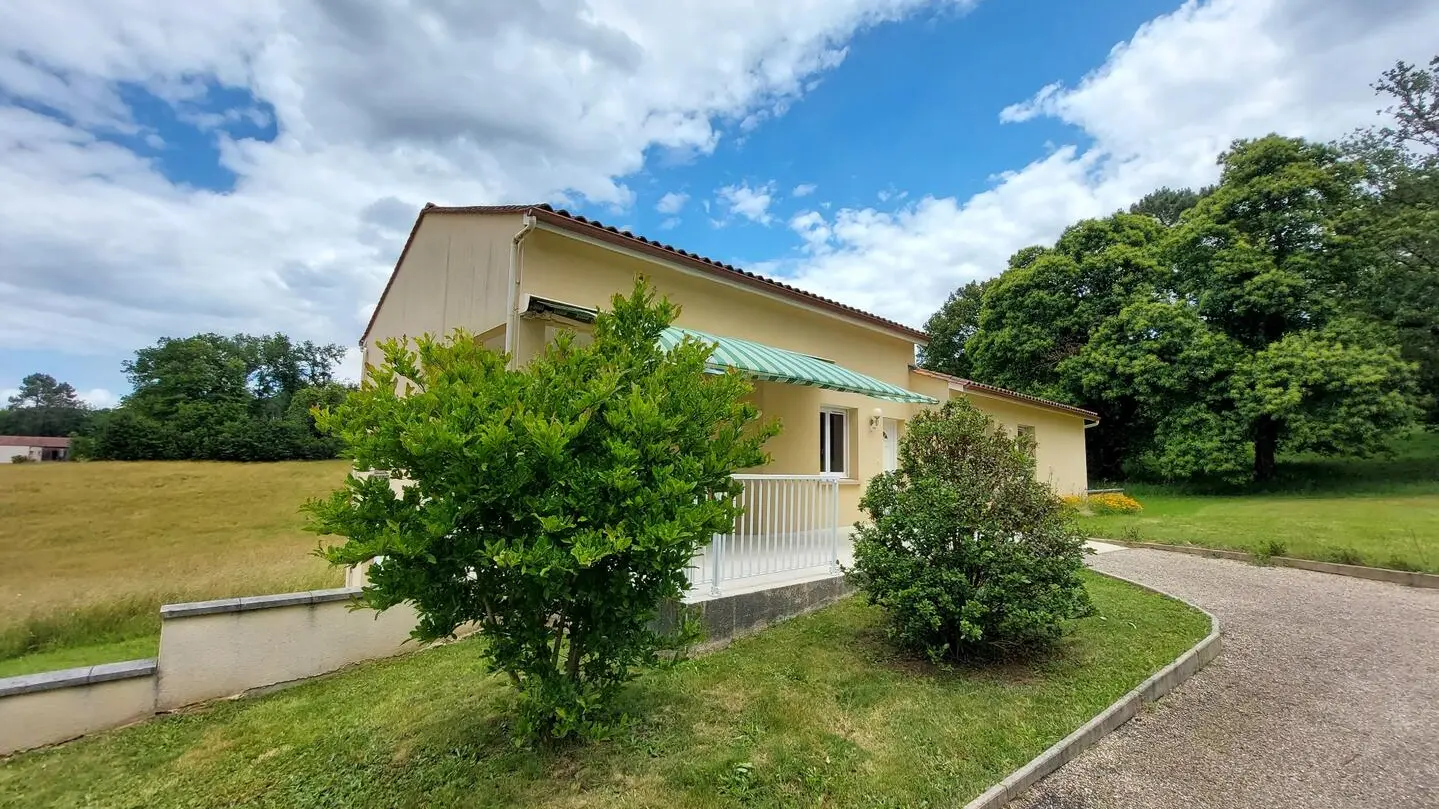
column 248, row 603
column 71, row 678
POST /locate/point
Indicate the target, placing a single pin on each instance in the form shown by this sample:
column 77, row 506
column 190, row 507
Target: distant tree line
column 1292, row 307
column 206, row 397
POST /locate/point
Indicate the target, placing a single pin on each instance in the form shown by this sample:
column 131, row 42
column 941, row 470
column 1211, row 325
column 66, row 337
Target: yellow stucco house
column 842, row 381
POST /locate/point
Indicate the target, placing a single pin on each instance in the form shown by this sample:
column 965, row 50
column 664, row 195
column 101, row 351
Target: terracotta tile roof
column 623, row 238
column 1005, row 393
column 46, row 441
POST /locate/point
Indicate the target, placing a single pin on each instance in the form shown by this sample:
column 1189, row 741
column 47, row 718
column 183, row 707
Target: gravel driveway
column 1326, row 696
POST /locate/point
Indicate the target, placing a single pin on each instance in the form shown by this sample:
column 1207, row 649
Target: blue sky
column 255, row 166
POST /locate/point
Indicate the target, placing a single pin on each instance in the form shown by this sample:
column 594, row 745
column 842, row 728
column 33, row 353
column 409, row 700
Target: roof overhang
column 594, row 233
column 971, row 387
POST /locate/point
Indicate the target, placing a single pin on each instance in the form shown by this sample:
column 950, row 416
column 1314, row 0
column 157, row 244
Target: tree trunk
column 1266, row 443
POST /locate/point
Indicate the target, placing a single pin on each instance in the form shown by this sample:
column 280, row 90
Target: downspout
column 512, row 315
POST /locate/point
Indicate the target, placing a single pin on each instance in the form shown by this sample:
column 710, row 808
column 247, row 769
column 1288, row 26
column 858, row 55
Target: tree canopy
column 212, row 397
column 1291, row 307
column 45, row 406
column 950, row 328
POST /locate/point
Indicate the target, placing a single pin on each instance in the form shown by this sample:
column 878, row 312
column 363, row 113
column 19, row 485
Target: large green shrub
column 964, row 549
column 555, row 505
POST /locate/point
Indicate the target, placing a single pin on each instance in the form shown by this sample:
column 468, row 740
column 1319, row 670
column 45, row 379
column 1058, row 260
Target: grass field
column 815, row 712
column 1380, row 511
column 91, row 550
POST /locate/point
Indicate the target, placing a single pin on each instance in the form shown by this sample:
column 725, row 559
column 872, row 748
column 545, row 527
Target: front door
column 891, row 445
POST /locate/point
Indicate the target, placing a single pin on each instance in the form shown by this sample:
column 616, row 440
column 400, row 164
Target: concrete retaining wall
column 213, row 649
column 730, row 616
column 220, row 648
column 208, row 649
column 40, row 709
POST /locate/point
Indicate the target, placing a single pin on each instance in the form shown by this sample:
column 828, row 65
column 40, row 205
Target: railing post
column 834, row 527
column 716, row 551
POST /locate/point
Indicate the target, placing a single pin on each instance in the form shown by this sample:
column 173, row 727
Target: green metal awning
column 760, row 361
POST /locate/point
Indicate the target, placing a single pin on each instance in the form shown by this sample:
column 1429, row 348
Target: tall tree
column 44, row 406
column 1168, row 204
column 1400, row 220
column 41, row 390
column 951, row 327
column 1265, row 265
column 213, row 397
column 1038, row 316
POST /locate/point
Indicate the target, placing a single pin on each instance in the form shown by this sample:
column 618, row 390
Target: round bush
column 966, row 552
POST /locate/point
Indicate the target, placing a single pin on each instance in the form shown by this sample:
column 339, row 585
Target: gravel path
column 1326, row 696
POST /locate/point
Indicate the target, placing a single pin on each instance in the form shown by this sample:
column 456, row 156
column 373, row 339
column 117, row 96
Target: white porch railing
column 789, row 523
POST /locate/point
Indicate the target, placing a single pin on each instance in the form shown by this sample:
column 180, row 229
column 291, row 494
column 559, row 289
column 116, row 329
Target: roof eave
column 963, row 385
column 625, row 240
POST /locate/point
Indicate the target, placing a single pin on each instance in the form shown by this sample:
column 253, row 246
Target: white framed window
column 834, row 442
column 1028, row 430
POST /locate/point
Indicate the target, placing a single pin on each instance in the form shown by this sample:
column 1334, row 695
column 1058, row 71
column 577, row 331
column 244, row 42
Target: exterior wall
column 217, row 649
column 568, row 270
column 72, row 704
column 456, row 274
column 8, row 451
column 796, row 450
column 1059, row 456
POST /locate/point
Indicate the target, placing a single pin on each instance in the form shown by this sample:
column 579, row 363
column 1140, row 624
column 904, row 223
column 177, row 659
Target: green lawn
column 1382, row 511
column 818, row 711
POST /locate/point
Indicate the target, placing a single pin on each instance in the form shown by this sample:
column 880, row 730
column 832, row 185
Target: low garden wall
column 40, row 709
column 214, row 649
column 208, row 649
column 219, row 648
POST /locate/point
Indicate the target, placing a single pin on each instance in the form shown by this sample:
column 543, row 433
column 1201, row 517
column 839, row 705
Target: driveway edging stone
column 1110, row 719
column 1406, row 578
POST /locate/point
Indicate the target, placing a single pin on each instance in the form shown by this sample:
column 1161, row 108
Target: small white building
column 34, row 447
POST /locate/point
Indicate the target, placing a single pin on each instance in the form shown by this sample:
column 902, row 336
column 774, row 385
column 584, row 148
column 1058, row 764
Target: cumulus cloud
column 751, row 202
column 99, row 398
column 803, row 190
column 1157, row 112
column 375, row 107
column 672, row 203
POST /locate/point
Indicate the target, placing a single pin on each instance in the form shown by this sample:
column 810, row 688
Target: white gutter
column 512, row 316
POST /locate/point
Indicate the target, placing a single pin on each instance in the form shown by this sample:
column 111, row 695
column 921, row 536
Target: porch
column 788, row 533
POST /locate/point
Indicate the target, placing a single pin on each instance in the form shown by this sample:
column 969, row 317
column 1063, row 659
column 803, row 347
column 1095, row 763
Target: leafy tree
column 212, row 397
column 1041, row 312
column 1167, row 204
column 950, row 328
column 554, row 505
column 1265, row 264
column 44, row 406
column 41, row 390
column 964, row 550
column 1400, row 220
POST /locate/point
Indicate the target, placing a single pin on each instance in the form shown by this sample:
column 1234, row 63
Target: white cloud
column 670, row 223
column 751, row 202
column 99, row 398
column 672, row 203
column 379, row 107
column 811, row 227
column 803, row 190
column 1157, row 112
